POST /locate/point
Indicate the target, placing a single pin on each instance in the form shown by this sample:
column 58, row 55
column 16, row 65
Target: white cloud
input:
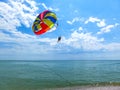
column 80, row 28
column 88, row 42
column 26, row 44
column 106, row 29
column 76, row 19
column 112, row 47
column 14, row 13
column 49, row 8
column 117, row 24
column 76, row 11
column 84, row 41
column 69, row 22
column 92, row 19
column 101, row 23
column 44, row 6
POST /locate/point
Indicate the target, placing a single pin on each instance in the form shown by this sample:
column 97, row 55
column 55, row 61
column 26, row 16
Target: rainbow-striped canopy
column 44, row 22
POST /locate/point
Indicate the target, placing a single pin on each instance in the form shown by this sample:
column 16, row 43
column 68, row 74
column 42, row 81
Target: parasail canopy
column 44, row 22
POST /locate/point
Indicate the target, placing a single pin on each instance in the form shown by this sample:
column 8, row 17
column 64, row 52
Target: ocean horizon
column 43, row 74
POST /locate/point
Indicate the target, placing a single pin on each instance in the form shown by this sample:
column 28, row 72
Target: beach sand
column 88, row 88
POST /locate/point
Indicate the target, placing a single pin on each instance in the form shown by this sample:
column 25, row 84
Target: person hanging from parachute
column 44, row 22
column 59, row 39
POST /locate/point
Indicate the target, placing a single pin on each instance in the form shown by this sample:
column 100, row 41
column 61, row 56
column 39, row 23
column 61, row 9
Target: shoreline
column 87, row 88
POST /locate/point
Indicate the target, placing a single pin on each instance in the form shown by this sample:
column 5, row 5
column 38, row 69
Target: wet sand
column 88, row 88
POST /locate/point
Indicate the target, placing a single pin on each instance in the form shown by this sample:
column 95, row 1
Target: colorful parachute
column 44, row 22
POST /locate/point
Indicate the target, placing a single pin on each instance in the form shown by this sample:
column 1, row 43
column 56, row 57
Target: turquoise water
column 36, row 75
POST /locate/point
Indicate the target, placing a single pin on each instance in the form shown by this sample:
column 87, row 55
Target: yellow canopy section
column 48, row 23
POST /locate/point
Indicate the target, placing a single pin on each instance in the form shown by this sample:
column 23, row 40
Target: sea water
column 37, row 75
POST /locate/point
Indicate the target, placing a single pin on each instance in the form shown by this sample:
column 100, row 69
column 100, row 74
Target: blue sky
column 89, row 29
